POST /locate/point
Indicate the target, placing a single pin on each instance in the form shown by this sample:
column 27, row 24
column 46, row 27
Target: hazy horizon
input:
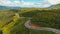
column 29, row 3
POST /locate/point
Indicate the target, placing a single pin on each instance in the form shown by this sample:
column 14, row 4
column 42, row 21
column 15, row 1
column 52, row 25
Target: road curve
column 41, row 28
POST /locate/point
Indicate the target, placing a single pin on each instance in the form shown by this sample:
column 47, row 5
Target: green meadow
column 12, row 20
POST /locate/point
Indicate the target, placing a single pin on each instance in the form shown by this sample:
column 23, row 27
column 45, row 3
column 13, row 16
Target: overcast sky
column 29, row 3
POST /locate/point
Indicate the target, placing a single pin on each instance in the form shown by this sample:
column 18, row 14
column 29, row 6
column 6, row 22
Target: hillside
column 45, row 18
column 12, row 23
column 55, row 6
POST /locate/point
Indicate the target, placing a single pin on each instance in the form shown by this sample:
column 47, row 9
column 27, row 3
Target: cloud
column 33, row 4
column 27, row 4
column 46, row 3
column 54, row 1
column 4, row 2
column 22, row 3
column 9, row 3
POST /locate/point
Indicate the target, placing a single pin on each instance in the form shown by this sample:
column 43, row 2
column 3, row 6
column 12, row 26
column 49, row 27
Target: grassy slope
column 55, row 6
column 5, row 17
column 41, row 32
column 47, row 18
column 21, row 29
column 18, row 26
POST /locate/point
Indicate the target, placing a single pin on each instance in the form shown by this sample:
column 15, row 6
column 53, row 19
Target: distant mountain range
column 53, row 6
column 2, row 7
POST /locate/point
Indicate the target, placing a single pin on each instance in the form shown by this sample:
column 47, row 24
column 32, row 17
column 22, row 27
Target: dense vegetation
column 45, row 18
column 10, row 23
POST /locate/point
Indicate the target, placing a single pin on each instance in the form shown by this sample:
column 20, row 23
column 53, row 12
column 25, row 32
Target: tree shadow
column 1, row 32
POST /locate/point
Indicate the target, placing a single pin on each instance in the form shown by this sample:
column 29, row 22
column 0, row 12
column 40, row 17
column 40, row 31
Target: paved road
column 41, row 28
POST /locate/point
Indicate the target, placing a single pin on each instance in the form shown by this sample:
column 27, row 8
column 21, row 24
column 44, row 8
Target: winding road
column 41, row 28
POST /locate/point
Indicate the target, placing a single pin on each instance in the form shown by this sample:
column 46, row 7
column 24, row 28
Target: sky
column 29, row 3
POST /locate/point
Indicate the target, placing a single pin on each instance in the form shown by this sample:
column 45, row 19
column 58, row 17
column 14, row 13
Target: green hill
column 10, row 23
column 55, row 6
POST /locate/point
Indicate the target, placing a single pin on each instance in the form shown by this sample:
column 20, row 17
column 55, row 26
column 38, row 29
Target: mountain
column 55, row 6
column 2, row 7
column 14, row 7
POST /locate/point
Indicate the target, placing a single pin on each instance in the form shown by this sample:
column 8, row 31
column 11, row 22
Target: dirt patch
column 34, row 25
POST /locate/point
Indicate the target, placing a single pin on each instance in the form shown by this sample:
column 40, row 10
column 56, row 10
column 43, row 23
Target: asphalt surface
column 41, row 28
